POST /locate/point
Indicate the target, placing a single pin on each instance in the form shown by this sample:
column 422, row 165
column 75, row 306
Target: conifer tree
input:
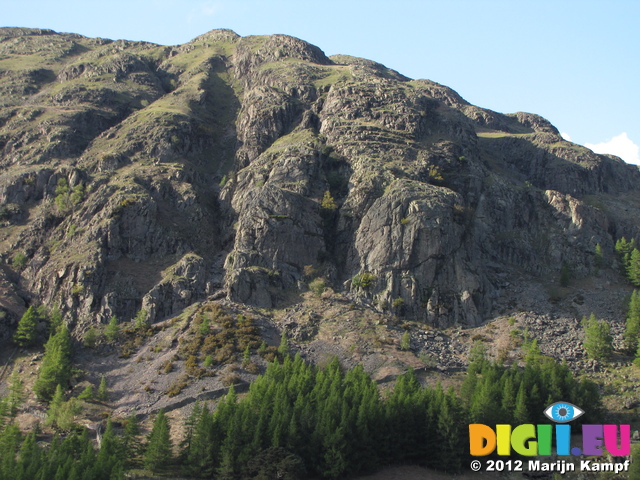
column 4, row 414
column 55, row 320
column 636, row 361
column 598, row 340
column 283, row 348
column 533, row 354
column 87, row 393
column 230, row 448
column 509, row 395
column 624, row 249
column 203, row 448
column 30, row 458
column 103, row 392
column 67, row 417
column 141, row 321
column 110, row 448
column 56, row 364
column 451, row 432
column 632, row 329
column 328, row 203
column 405, row 342
column 10, row 441
column 55, row 406
column 158, row 452
column 633, row 267
column 189, row 427
column 246, row 356
column 521, row 412
column 27, row 332
column 16, row 392
column 62, row 413
column 477, row 356
column 131, row 439
column 113, row 330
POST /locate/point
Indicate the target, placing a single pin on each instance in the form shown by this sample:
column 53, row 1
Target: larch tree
column 632, row 329
column 56, row 364
column 158, row 452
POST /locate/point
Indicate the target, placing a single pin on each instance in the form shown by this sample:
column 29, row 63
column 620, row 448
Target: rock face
column 137, row 176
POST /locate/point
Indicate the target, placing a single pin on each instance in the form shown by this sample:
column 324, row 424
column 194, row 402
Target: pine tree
column 55, row 406
column 141, row 321
column 110, row 448
column 633, row 267
column 67, row 414
column 30, row 458
column 10, row 441
column 87, row 393
column 246, row 356
column 283, row 348
column 56, row 364
column 16, row 395
column 509, row 395
column 4, row 414
column 202, row 455
column 189, row 427
column 103, row 392
column 55, row 319
column 521, row 412
column 131, row 439
column 450, row 428
column 158, row 452
column 636, row 361
column 113, row 330
column 477, row 357
column 624, row 249
column 632, row 329
column 533, row 355
column 405, row 342
column 328, row 203
column 598, row 340
column 90, row 338
column 27, row 332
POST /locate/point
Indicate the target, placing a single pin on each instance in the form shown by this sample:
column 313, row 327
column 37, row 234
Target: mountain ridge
column 199, row 171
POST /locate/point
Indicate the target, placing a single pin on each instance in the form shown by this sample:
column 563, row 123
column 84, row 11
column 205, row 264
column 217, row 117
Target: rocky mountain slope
column 144, row 177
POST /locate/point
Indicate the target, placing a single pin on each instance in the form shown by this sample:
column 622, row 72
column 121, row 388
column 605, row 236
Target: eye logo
column 563, row 412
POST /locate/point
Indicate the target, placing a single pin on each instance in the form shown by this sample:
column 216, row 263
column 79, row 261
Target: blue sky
column 574, row 62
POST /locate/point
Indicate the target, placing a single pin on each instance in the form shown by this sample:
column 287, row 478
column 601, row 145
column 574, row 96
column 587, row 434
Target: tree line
column 297, row 420
column 300, row 420
column 69, row 457
column 330, row 423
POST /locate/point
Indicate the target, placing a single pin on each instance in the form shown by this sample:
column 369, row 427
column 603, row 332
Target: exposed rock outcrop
column 130, row 170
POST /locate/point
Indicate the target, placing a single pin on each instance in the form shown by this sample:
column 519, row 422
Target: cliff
column 137, row 176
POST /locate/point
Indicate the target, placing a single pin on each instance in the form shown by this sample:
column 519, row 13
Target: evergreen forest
column 301, row 421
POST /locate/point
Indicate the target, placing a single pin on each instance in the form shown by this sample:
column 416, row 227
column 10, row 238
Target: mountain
column 200, row 170
column 259, row 173
column 192, row 212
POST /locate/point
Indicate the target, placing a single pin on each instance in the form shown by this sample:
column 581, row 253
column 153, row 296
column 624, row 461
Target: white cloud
column 566, row 136
column 622, row 146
